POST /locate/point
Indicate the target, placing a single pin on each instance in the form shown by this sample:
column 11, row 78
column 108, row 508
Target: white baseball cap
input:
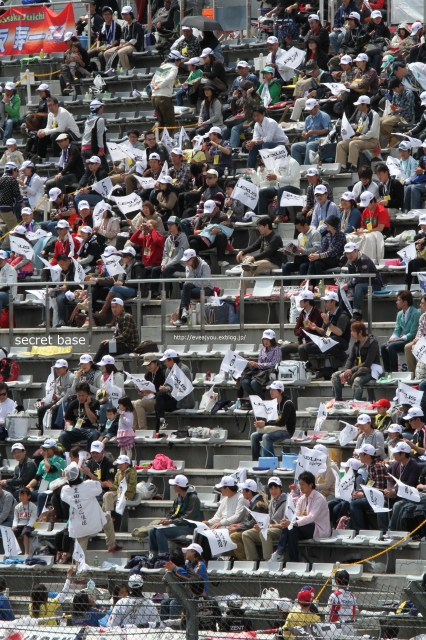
column 19, row 229
column 72, row 471
column 355, row 15
column 122, row 460
column 128, row 250
column 285, row 605
column 63, row 224
column 368, row 449
column 227, row 481
column 127, row 9
column 10, row 86
column 362, row 99
column 10, row 165
column 331, row 295
column 26, row 211
column 269, row 334
column 311, row 103
column 414, row 412
column 405, row 145
column 250, row 485
column 422, row 219
column 83, row 204
column 179, row 481
column 177, row 151
column 43, row 87
column 394, row 428
column 3, row 255
column 109, row 251
column 376, row 14
column 54, row 193
column 350, row 246
column 95, row 159
column 415, row 27
column 242, row 63
column 68, row 35
column 86, row 229
column 49, row 443
column 165, row 180
column 106, row 360
column 209, row 206
column 402, row 447
column 366, row 198
column 312, row 172
column 94, row 106
column 321, row 189
column 306, row 295
column 118, row 301
column 211, row 172
column 272, row 40
column 176, row 55
column 353, row 463
column 214, row 130
column 314, row 16
column 26, row 164
column 18, row 445
column 346, row 60
column 194, row 61
column 60, row 363
column 363, row 418
column 194, row 547
column 188, row 254
column 135, row 580
column 186, row 28
column 97, row 446
column 154, row 156
column 206, row 52
column 86, row 358
column 275, row 480
column 169, row 353
column 348, row 195
column 362, row 57
column 321, row 447
column 277, row 385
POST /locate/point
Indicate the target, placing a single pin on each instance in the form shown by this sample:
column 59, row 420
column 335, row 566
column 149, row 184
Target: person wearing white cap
column 94, row 173
column 415, row 418
column 275, row 57
column 109, row 36
column 340, row 19
column 266, row 135
column 93, row 140
column 333, row 239
column 131, row 39
column 61, row 387
column 188, row 44
column 24, row 266
column 135, row 610
column 353, row 36
column 219, row 151
column 90, row 250
column 317, row 123
column 162, row 84
column 351, row 215
column 402, row 110
column 50, row 469
column 71, row 166
column 59, row 120
column 406, row 327
column 326, row 480
column 338, row 507
column 88, row 372
column 205, row 234
column 8, row 278
column 253, row 538
column 367, row 127
column 358, row 263
column 125, row 471
column 255, row 376
column 245, row 75
column 258, row 503
column 368, row 434
column 406, row 469
column 164, row 401
column 264, row 254
column 81, row 418
column 180, row 172
column 32, row 185
column 269, row 432
column 190, row 86
column 12, row 154
column 377, row 478
column 186, row 506
column 309, row 313
column 231, row 508
column 24, row 471
column 125, row 338
column 12, row 108
column 323, row 208
column 195, row 267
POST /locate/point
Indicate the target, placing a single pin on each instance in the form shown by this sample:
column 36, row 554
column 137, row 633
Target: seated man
column 406, row 469
column 100, row 466
column 23, row 473
column 331, row 249
column 8, row 277
column 365, row 183
column 204, row 236
column 357, row 370
column 125, row 338
column 312, row 520
column 7, row 508
column 406, row 326
column 58, row 294
column 314, row 179
column 308, row 241
column 310, row 313
column 127, row 167
column 266, row 247
column 186, row 506
column 267, row 433
column 94, row 173
column 176, row 243
column 336, row 326
column 59, row 120
column 376, row 477
column 80, row 417
column 164, row 401
column 267, row 135
column 368, row 128
column 421, row 333
column 70, row 163
column 402, row 107
column 391, row 191
column 359, row 263
column 317, row 124
column 257, row 502
column 323, row 208
column 125, row 472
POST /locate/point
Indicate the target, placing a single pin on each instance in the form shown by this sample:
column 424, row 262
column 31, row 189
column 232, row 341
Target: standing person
column 312, row 520
column 93, row 141
column 162, row 84
column 407, row 323
column 131, row 39
column 195, row 267
column 341, row 606
column 279, row 430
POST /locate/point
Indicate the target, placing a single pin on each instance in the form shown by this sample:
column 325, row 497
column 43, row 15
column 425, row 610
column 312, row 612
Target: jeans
column 50, row 226
column 185, row 226
column 337, row 508
column 233, row 134
column 413, row 196
column 335, row 40
column 168, row 272
column 395, row 521
column 123, row 292
column 320, row 266
column 8, row 128
column 104, row 350
column 414, row 266
column 357, row 510
column 253, row 153
column 68, row 438
column 292, row 267
column 359, row 292
column 389, row 353
column 91, row 198
column 252, row 387
column 300, row 151
column 170, row 609
column 62, row 183
column 291, row 539
column 265, row 196
column 180, row 93
column 268, row 440
column 4, row 299
column 357, row 387
column 189, row 291
column 159, row 538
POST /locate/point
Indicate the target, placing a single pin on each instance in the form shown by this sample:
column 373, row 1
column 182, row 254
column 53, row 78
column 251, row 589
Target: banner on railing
column 27, row 30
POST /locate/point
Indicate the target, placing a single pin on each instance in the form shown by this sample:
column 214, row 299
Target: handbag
column 373, row 49
column 234, row 120
column 208, row 400
column 288, row 29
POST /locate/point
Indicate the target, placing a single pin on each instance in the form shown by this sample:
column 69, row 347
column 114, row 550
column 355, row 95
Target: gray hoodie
column 7, row 506
column 94, row 388
column 63, row 387
column 172, row 254
column 202, row 271
column 277, row 508
column 89, row 125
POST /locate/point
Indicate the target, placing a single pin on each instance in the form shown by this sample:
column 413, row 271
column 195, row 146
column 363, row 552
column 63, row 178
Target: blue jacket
column 252, row 77
column 354, row 221
column 407, row 329
column 6, row 612
column 199, row 568
column 342, row 13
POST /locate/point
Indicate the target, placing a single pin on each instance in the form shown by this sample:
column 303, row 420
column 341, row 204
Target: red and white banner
column 27, row 30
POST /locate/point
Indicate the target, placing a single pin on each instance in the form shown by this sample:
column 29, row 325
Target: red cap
column 382, row 403
column 305, row 596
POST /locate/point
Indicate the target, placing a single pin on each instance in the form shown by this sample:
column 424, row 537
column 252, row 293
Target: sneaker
column 223, row 263
column 184, row 314
column 247, row 267
column 318, row 376
column 115, row 548
column 277, row 556
column 178, row 323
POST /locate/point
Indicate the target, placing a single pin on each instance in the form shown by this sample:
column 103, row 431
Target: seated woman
column 166, row 198
column 357, row 370
column 351, row 215
column 24, row 266
column 339, row 507
column 32, row 186
column 370, row 435
column 108, row 229
column 41, row 606
column 255, row 376
column 270, row 89
column 401, row 43
column 148, row 213
column 195, row 267
column 84, row 613
column 242, row 106
column 88, row 371
column 268, row 433
column 146, row 401
column 210, row 110
column 375, row 226
column 49, row 469
column 107, row 365
column 376, row 34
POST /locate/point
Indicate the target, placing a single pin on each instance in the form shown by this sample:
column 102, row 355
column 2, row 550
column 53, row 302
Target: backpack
column 289, row 29
column 95, row 147
column 162, row 463
column 9, row 370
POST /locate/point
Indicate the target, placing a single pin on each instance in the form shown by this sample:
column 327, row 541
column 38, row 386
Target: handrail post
column 163, row 314
column 281, row 311
column 47, row 312
column 202, row 306
column 370, row 306
column 241, row 307
column 138, row 311
column 90, row 313
column 11, row 310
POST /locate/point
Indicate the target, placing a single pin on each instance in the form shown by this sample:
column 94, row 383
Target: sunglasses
column 3, row 394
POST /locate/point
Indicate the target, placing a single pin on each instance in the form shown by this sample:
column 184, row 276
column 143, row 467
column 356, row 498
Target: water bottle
column 226, row 172
column 90, row 587
column 86, row 96
column 106, row 94
column 7, row 593
column 320, row 287
column 261, row 62
column 96, row 561
column 193, row 316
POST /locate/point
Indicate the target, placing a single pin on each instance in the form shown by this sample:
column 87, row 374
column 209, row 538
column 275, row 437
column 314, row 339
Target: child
column 23, row 265
column 383, row 418
column 301, row 616
column 74, row 61
column 394, row 432
column 111, row 426
column 191, row 85
column 24, row 517
column 191, row 156
column 41, row 607
column 12, row 154
column 6, row 612
column 341, row 606
column 125, row 433
column 194, row 563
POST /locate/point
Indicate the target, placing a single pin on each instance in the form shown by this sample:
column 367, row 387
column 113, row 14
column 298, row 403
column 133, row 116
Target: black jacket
column 420, row 128
column 267, row 246
column 323, row 37
column 322, row 91
column 321, row 58
column 23, row 473
column 104, row 32
column 106, row 468
column 215, row 70
column 137, row 271
column 133, row 31
column 160, row 149
column 380, row 31
column 89, row 178
column 364, row 264
column 396, row 193
column 158, row 379
column 369, row 354
column 286, row 415
column 353, row 41
column 75, row 163
column 90, row 248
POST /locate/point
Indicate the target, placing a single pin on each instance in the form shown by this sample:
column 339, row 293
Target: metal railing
column 139, row 301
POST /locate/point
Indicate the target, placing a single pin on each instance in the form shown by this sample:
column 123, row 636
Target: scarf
column 110, row 34
column 64, row 157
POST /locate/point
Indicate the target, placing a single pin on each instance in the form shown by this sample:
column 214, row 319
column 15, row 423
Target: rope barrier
column 376, row 555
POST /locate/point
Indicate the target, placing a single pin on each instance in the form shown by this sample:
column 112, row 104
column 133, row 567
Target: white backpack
column 291, row 370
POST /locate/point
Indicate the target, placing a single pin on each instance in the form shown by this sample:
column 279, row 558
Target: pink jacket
column 317, row 512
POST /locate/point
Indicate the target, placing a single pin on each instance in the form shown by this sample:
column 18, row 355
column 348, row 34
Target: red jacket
column 152, row 246
column 314, row 316
column 64, row 247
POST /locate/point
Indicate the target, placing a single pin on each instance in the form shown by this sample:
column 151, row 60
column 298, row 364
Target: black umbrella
column 201, row 23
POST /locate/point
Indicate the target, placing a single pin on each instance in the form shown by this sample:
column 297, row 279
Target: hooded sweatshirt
column 174, row 248
column 187, row 506
column 258, row 504
column 277, row 508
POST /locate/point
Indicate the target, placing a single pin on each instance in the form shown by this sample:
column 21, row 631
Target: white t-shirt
column 134, row 611
column 6, row 407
